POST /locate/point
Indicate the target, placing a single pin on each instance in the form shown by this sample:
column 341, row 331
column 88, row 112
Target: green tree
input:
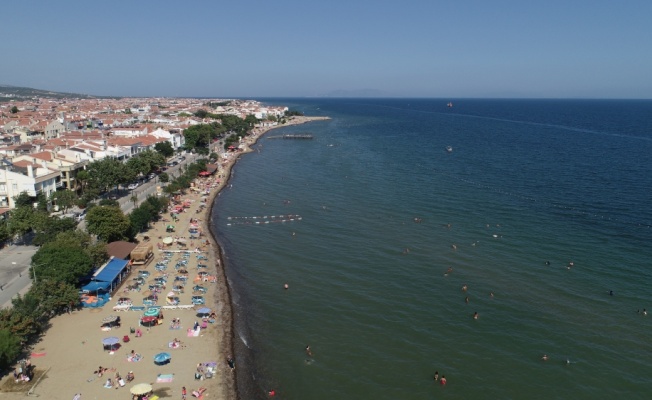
column 164, row 148
column 24, row 200
column 64, row 199
column 54, row 297
column 136, row 166
column 52, row 228
column 201, row 114
column 139, row 219
column 18, row 319
column 14, row 110
column 9, row 348
column 61, row 260
column 21, row 220
column 107, row 173
column 164, row 177
column 108, row 223
column 4, row 231
column 82, row 178
column 97, row 252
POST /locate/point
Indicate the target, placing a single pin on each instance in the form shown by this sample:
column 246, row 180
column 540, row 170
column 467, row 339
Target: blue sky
column 287, row 48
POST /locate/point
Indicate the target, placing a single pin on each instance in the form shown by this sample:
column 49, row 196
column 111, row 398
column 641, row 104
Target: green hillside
column 8, row 93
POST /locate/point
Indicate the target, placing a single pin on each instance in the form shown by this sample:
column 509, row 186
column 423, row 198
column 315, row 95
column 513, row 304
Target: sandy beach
column 68, row 356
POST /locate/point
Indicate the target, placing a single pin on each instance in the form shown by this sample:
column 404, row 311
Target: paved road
column 14, row 271
column 16, row 259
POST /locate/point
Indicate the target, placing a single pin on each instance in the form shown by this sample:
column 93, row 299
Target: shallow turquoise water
column 527, row 182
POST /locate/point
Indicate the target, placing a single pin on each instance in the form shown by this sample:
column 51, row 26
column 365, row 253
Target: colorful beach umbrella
column 151, row 312
column 168, row 240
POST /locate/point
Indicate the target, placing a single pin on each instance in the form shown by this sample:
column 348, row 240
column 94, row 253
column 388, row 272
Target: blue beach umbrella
column 204, row 311
column 110, row 341
column 162, row 358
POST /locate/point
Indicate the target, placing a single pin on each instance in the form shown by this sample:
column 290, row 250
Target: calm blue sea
column 529, row 187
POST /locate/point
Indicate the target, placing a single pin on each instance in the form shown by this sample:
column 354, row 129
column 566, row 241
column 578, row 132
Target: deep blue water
column 528, row 181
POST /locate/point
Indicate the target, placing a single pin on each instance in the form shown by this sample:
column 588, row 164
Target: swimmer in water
column 491, row 294
column 436, row 375
column 406, row 251
column 454, row 247
column 547, row 262
column 467, row 299
column 475, row 315
column 286, row 286
column 464, row 287
column 545, row 357
column 308, row 351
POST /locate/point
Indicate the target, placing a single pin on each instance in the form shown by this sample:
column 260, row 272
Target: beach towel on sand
column 164, row 378
column 38, row 354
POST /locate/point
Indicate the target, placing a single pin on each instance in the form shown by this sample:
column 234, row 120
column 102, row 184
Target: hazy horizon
column 504, row 49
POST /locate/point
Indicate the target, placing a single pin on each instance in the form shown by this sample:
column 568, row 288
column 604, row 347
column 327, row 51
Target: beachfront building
column 104, row 282
column 26, row 176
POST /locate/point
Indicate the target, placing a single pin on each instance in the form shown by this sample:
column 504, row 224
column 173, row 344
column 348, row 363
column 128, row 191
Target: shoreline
column 227, row 172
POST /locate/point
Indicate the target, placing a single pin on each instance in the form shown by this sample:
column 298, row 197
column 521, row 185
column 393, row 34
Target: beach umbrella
column 204, row 311
column 151, row 312
column 110, row 341
column 140, row 389
column 168, row 240
column 110, row 318
column 202, row 273
column 162, row 358
column 169, row 227
column 149, row 321
column 171, row 294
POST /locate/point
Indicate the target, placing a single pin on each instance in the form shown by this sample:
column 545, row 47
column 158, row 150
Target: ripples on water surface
column 528, row 181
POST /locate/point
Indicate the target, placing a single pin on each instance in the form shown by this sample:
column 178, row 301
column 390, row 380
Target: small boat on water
column 449, row 149
column 450, row 104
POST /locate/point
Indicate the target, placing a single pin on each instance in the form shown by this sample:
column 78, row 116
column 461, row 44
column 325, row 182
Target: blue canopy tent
column 104, row 282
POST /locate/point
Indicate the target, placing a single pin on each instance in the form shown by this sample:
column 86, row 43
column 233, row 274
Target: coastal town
column 134, row 301
column 44, row 143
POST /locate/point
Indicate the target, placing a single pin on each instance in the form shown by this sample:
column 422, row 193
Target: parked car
column 132, row 186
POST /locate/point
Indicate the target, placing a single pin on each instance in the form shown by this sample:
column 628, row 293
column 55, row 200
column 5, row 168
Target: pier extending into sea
column 298, row 136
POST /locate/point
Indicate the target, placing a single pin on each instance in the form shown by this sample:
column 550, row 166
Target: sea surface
column 544, row 203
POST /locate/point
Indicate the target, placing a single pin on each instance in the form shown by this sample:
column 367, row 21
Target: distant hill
column 8, row 93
